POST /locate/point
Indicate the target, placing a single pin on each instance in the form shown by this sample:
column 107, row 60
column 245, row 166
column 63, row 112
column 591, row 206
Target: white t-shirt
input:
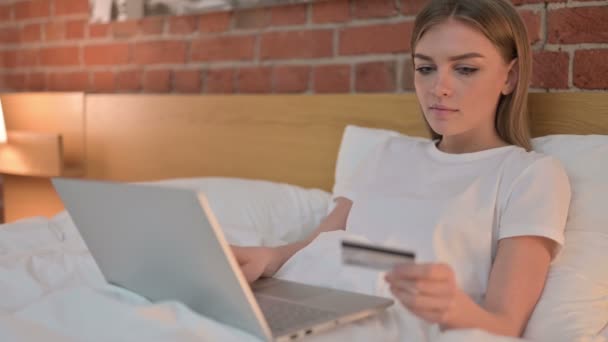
column 453, row 208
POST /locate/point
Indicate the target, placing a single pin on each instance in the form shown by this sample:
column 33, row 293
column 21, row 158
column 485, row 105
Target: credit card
column 374, row 256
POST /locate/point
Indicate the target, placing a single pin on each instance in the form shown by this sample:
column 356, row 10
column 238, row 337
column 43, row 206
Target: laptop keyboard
column 283, row 316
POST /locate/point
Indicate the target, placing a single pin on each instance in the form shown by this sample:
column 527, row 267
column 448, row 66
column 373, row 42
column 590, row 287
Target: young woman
column 484, row 213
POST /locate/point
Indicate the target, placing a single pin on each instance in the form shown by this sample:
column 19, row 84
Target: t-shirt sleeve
column 362, row 174
column 538, row 202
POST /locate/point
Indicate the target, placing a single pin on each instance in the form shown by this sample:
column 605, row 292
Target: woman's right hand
column 256, row 262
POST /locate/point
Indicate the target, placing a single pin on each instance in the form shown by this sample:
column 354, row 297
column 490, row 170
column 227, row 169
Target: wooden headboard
column 292, row 139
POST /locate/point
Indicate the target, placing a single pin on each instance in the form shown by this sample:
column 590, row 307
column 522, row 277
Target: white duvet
column 52, row 290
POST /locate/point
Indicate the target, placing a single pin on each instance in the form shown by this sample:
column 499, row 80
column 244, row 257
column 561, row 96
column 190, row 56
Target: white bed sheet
column 53, row 291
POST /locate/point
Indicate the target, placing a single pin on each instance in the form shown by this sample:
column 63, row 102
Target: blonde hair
column 501, row 24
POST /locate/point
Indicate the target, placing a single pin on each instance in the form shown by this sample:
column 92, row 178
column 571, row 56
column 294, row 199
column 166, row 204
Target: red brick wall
column 334, row 46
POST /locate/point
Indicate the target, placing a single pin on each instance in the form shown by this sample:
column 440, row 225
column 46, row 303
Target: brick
column 9, row 35
column 125, row 29
column 223, row 48
column 183, row 24
column 99, row 30
column 364, row 9
column 106, row 54
column 255, row 80
column 8, row 59
column 54, row 31
column 128, row 80
column 16, row 81
column 152, row 25
column 219, row 81
column 103, row 82
column 75, row 29
column 578, row 25
column 68, row 81
column 32, row 9
column 532, row 21
column 187, row 81
column 550, row 70
column 160, row 52
column 6, row 12
column 68, row 7
column 36, row 81
column 249, row 19
column 332, row 78
column 412, row 7
column 291, row 79
column 27, row 58
column 365, row 40
column 215, row 22
column 157, row 81
column 590, row 70
column 523, row 2
column 30, row 33
column 375, row 77
column 407, row 76
column 60, row 56
column 335, row 11
column 21, row 58
column 297, row 44
column 289, row 15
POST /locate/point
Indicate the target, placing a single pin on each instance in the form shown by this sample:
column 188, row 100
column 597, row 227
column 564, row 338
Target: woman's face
column 459, row 78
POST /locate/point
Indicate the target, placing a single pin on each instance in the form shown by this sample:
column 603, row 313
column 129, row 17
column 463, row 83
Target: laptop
column 166, row 244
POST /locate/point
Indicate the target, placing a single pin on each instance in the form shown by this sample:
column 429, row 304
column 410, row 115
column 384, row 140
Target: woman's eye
column 466, row 70
column 424, row 70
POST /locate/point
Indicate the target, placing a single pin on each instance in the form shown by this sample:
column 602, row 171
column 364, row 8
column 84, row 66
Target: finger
column 238, row 253
column 431, row 316
column 251, row 271
column 401, row 287
column 422, row 271
column 436, row 288
column 421, row 302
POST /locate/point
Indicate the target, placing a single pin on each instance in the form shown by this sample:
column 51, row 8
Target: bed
column 268, row 164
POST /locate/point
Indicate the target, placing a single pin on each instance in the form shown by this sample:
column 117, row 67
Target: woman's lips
column 441, row 111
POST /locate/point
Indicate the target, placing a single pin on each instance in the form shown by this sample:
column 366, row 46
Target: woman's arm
column 266, row 261
column 336, row 220
column 515, row 285
column 516, row 282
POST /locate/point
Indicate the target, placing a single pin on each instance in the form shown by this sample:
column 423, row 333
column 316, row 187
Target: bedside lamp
column 30, row 153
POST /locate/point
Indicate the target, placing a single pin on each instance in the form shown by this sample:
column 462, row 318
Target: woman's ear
column 512, row 77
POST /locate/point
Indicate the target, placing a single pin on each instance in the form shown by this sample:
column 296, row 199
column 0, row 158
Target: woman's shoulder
column 533, row 163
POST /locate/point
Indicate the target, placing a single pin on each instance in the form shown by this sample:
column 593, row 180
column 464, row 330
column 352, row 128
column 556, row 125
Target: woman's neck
column 464, row 144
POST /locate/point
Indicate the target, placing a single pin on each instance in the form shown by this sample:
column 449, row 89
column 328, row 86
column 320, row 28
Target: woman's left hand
column 427, row 290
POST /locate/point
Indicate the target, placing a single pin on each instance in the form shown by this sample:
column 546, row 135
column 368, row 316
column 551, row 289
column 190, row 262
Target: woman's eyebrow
column 453, row 58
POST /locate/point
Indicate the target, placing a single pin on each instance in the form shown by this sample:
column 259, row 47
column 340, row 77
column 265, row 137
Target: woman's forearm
column 285, row 252
column 474, row 316
column 336, row 220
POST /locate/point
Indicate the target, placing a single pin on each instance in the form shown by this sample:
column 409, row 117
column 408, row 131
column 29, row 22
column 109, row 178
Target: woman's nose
column 443, row 85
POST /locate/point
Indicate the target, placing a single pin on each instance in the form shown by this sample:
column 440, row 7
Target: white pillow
column 256, row 212
column 574, row 304
column 357, row 142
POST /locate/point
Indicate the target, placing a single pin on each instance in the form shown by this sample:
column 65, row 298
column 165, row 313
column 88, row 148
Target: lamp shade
column 2, row 126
